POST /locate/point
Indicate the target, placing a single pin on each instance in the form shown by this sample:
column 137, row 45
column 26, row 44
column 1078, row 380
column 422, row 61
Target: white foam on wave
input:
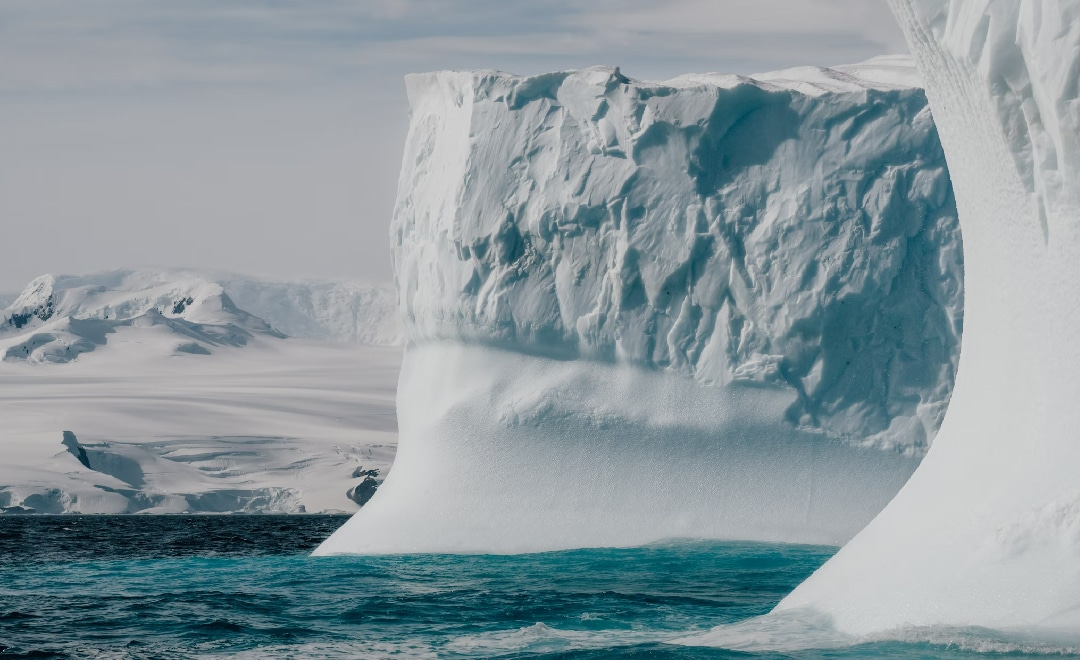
column 806, row 629
column 542, row 638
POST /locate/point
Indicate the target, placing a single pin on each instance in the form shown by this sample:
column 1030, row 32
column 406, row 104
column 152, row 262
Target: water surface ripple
column 243, row 586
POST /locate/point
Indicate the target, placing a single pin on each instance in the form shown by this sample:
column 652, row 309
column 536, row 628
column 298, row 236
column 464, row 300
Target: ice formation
column 717, row 306
column 986, row 532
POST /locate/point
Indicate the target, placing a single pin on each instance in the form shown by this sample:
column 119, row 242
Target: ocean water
column 244, row 586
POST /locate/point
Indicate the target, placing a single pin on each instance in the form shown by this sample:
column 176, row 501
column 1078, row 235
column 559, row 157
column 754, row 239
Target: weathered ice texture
column 779, row 255
column 797, row 231
column 986, row 532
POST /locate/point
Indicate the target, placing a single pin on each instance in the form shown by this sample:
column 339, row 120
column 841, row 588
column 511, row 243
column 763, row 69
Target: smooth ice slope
column 716, row 306
column 986, row 533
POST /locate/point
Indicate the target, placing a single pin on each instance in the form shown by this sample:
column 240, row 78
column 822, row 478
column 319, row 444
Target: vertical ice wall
column 987, row 532
column 716, row 306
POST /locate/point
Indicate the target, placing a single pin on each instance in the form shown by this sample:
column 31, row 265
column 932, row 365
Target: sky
column 265, row 136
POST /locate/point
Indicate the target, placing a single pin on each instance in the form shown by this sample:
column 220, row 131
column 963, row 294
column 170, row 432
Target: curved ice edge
column 587, row 455
column 809, row 629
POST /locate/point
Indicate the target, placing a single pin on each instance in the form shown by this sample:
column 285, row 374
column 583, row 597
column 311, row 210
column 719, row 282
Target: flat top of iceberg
column 885, row 72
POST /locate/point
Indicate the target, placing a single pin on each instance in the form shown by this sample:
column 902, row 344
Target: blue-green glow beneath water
column 165, row 587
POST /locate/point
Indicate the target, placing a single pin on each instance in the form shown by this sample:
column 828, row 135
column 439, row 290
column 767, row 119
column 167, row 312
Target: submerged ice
column 716, row 306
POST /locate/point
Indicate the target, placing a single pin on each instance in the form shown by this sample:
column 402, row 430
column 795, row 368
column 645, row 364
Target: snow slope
column 715, row 306
column 341, row 311
column 986, row 532
column 56, row 319
column 153, row 392
column 59, row 317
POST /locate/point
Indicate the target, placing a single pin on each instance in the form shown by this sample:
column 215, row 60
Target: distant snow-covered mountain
column 185, row 391
column 58, row 318
column 341, row 311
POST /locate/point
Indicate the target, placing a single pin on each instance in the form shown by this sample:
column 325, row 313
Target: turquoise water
column 180, row 587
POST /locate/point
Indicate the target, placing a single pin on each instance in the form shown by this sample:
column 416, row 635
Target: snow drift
column 987, row 530
column 716, row 306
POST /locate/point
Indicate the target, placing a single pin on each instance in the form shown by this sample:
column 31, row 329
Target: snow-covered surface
column 782, row 252
column 175, row 399
column 342, row 311
column 986, row 532
column 57, row 318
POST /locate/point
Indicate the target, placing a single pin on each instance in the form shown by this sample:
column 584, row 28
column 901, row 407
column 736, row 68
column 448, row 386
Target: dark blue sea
column 244, row 586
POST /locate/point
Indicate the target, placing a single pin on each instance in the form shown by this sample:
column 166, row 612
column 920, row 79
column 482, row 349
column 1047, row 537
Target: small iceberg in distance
column 717, row 306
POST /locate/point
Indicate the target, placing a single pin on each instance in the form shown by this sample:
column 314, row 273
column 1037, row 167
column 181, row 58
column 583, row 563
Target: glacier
column 985, row 534
column 172, row 391
column 717, row 306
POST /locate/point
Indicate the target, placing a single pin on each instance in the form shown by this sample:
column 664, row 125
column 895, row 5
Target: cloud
column 51, row 44
column 265, row 135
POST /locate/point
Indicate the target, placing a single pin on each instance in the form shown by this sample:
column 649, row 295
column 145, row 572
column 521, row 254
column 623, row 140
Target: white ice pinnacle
column 987, row 532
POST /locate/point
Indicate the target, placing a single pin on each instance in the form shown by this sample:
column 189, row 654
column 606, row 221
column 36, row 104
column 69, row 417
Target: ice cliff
column 986, row 532
column 715, row 306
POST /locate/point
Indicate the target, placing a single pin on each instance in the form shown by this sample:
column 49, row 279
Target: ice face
column 795, row 231
column 986, row 531
column 716, row 307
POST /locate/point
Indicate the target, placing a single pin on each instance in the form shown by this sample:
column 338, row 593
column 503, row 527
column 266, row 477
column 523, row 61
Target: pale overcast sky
column 265, row 136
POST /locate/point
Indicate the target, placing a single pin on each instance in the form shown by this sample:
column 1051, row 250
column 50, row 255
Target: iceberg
column 986, row 532
column 717, row 306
